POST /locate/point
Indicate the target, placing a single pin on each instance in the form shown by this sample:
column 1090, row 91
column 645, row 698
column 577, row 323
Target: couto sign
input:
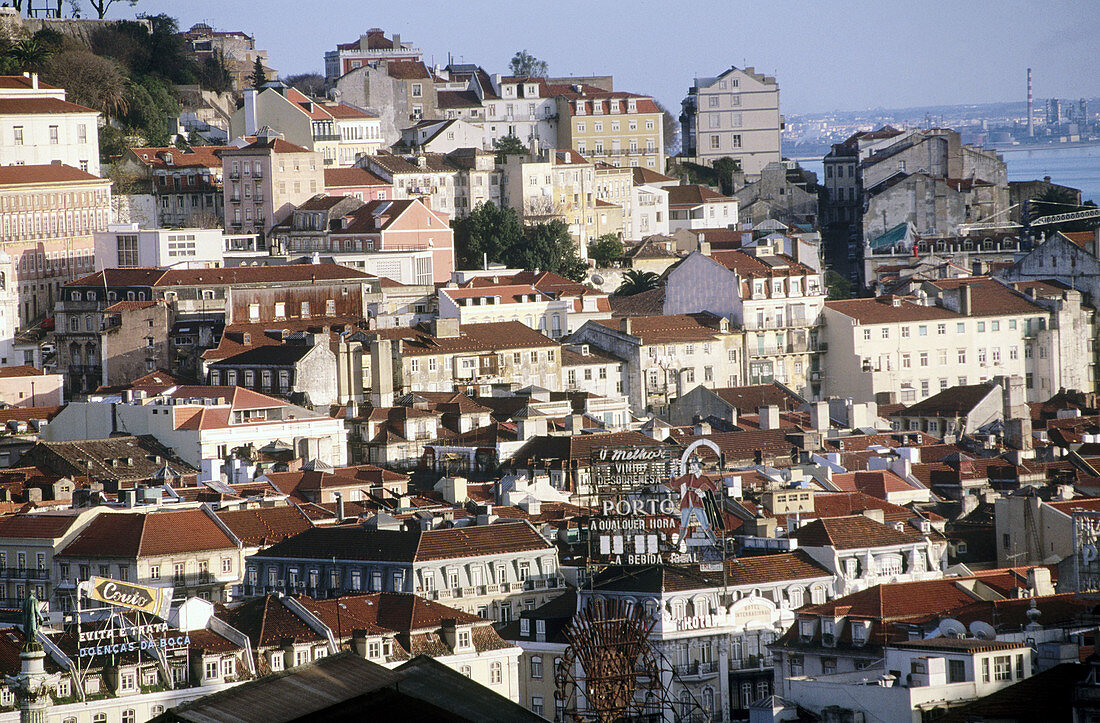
column 152, row 600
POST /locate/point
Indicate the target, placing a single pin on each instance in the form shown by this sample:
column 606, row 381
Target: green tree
column 30, row 54
column 487, row 234
column 525, row 65
column 509, row 145
column 90, row 80
column 549, row 247
column 605, row 250
column 635, row 282
column 1056, row 200
column 259, row 77
column 839, row 287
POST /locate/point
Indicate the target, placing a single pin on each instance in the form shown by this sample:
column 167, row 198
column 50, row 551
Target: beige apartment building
column 266, row 179
column 48, row 214
column 620, row 129
column 735, row 115
column 956, row 332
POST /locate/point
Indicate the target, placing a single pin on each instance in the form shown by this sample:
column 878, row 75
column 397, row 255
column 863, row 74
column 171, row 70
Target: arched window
column 795, row 595
column 708, row 700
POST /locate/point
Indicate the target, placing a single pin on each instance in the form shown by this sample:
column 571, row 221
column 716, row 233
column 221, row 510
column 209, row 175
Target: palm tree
column 635, row 282
column 30, row 54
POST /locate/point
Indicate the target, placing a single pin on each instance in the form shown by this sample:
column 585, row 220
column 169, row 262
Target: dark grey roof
column 274, row 354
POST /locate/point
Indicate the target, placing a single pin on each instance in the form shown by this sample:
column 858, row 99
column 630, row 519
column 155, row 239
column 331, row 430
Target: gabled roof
column 351, row 178
column 472, row 338
column 265, row 525
column 133, row 535
column 847, row 533
column 359, row 543
column 758, row 570
column 748, row 399
column 647, row 176
column 889, row 309
column 48, row 173
column 694, row 195
column 670, row 328
column 955, row 401
column 36, row 106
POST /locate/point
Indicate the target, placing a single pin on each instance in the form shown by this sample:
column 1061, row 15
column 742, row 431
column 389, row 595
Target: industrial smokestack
column 1030, row 108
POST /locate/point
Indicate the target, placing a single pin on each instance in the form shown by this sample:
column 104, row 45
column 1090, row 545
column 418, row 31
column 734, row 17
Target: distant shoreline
column 1044, row 146
column 996, row 147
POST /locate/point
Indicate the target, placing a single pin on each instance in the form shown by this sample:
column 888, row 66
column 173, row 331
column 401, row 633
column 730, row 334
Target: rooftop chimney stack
column 1030, row 108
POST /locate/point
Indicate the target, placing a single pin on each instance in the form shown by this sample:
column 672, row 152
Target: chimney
column 34, row 81
column 250, row 122
column 381, row 373
column 769, row 416
column 704, row 246
column 624, row 325
column 396, row 41
column 352, row 409
column 422, row 161
column 964, row 299
column 819, row 416
column 339, row 497
column 454, row 490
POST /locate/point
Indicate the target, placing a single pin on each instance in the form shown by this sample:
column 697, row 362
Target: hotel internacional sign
column 1086, row 551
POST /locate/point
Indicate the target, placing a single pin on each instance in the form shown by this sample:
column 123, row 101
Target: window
column 866, row 335
column 19, row 135
column 960, row 328
column 128, row 716
column 211, row 669
column 956, row 671
column 905, row 332
column 536, row 666
column 715, row 143
column 228, row 667
column 941, row 329
column 536, row 704
column 127, row 250
column 495, row 674
column 54, row 135
column 981, row 326
column 885, row 332
column 962, row 356
column 127, row 680
column 1002, row 667
column 154, row 572
column 924, row 358
column 305, row 309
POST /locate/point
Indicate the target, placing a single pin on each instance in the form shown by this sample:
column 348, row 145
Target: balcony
column 234, row 174
column 235, row 198
column 24, row 573
column 697, row 671
column 326, row 137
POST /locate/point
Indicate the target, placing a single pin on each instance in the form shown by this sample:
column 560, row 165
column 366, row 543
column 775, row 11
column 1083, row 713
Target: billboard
column 619, row 472
column 152, row 600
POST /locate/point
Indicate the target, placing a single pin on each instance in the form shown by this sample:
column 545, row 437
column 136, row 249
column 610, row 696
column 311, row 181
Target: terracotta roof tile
column 846, row 533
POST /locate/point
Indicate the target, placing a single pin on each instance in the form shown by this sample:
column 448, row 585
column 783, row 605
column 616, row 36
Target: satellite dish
column 597, row 279
column 982, row 630
column 952, row 628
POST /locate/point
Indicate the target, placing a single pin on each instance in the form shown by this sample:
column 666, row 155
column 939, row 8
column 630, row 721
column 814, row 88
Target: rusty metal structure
column 610, row 672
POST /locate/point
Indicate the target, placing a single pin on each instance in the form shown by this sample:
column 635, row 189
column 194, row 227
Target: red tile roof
column 352, row 177
column 670, row 328
column 35, row 106
column 847, row 533
column 889, row 309
column 49, row 173
column 131, row 535
column 265, row 525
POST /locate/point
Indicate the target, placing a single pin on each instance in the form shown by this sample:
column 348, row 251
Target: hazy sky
column 827, row 55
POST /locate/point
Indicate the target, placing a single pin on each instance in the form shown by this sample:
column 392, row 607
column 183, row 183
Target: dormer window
column 806, row 628
column 463, row 636
column 524, row 627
